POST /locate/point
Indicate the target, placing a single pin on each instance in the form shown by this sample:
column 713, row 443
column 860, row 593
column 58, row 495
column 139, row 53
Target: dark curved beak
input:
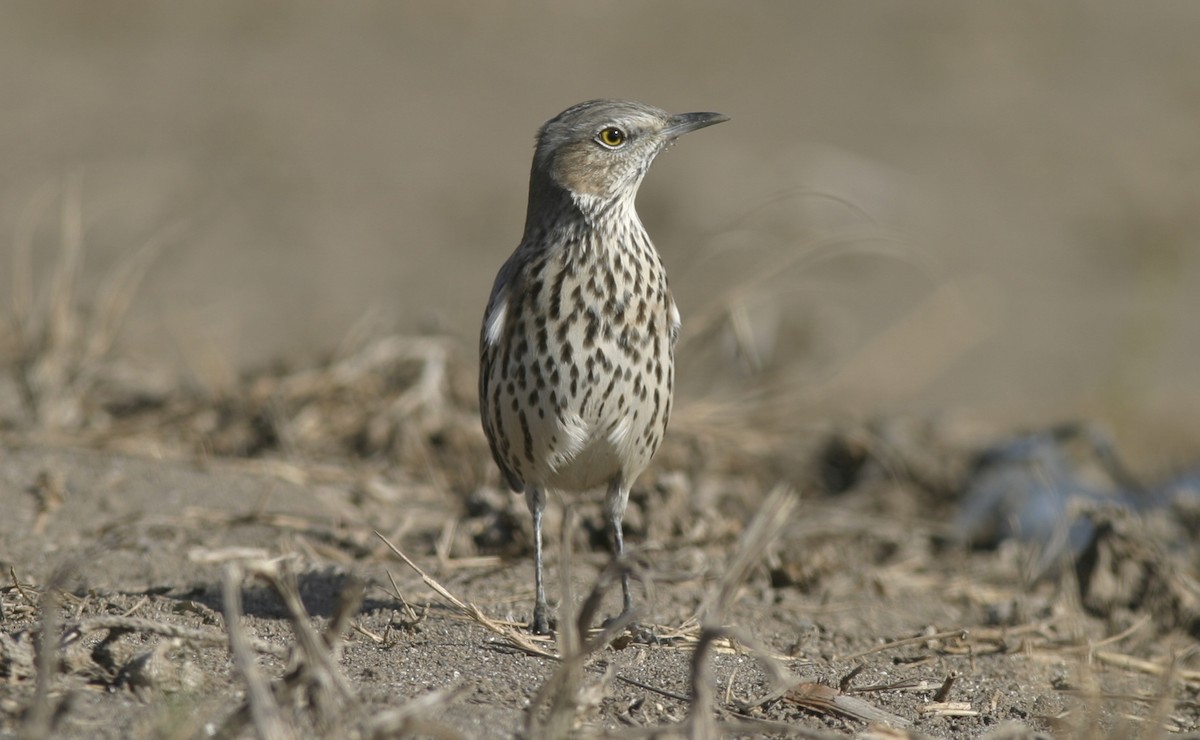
column 685, row 123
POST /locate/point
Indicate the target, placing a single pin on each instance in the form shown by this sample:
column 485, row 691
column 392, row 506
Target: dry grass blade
column 21, row 307
column 265, row 713
column 39, row 719
column 823, row 699
column 317, row 672
column 766, row 527
column 313, row 678
column 511, row 636
column 701, row 722
column 62, row 323
column 57, row 361
column 561, row 690
column 564, row 691
column 731, row 727
column 867, row 242
column 608, row 578
column 349, row 601
column 405, row 721
column 949, row 709
column 116, row 296
column 1149, row 667
column 701, row 713
column 1157, row 723
column 193, row 635
column 763, row 530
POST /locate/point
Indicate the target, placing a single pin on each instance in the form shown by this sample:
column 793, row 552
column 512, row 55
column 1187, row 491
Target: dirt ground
column 823, row 589
column 933, row 464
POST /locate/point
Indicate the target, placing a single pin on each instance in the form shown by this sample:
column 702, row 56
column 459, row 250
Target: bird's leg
column 615, row 503
column 535, row 499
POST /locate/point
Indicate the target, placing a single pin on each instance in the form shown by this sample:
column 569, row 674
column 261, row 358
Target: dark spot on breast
column 593, row 326
column 527, row 435
column 556, row 295
column 612, row 383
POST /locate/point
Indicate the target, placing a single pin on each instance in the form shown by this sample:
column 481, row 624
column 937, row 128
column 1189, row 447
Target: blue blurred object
column 1038, row 487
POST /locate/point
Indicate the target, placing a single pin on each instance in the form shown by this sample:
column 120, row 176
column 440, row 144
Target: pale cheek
column 584, row 171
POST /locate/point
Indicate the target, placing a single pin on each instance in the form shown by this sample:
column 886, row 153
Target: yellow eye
column 611, row 137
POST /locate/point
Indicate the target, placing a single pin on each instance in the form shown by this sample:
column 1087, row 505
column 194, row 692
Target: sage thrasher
column 577, row 345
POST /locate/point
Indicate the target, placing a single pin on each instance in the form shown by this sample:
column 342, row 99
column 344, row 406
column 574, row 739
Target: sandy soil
column 246, row 250
column 851, row 608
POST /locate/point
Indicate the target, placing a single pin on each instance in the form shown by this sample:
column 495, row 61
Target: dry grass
column 389, row 424
column 58, row 345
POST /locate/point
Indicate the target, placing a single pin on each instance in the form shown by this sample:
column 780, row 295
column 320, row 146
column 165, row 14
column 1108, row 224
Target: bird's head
column 599, row 151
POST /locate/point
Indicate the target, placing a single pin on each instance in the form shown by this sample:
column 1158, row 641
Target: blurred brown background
column 989, row 207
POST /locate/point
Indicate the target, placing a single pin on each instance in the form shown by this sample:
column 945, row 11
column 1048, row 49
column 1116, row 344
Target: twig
column 959, row 633
column 944, row 692
column 654, row 689
column 846, row 680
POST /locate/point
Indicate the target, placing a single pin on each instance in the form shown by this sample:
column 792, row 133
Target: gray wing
column 492, row 336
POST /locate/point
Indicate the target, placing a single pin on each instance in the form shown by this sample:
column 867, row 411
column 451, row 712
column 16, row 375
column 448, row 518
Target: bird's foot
column 541, row 623
column 636, row 633
column 642, row 634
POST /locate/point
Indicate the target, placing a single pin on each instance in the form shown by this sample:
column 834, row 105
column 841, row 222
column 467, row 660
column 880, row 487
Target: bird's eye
column 611, row 137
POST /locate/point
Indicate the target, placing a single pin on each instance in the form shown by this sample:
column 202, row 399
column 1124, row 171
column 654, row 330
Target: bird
column 578, row 338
